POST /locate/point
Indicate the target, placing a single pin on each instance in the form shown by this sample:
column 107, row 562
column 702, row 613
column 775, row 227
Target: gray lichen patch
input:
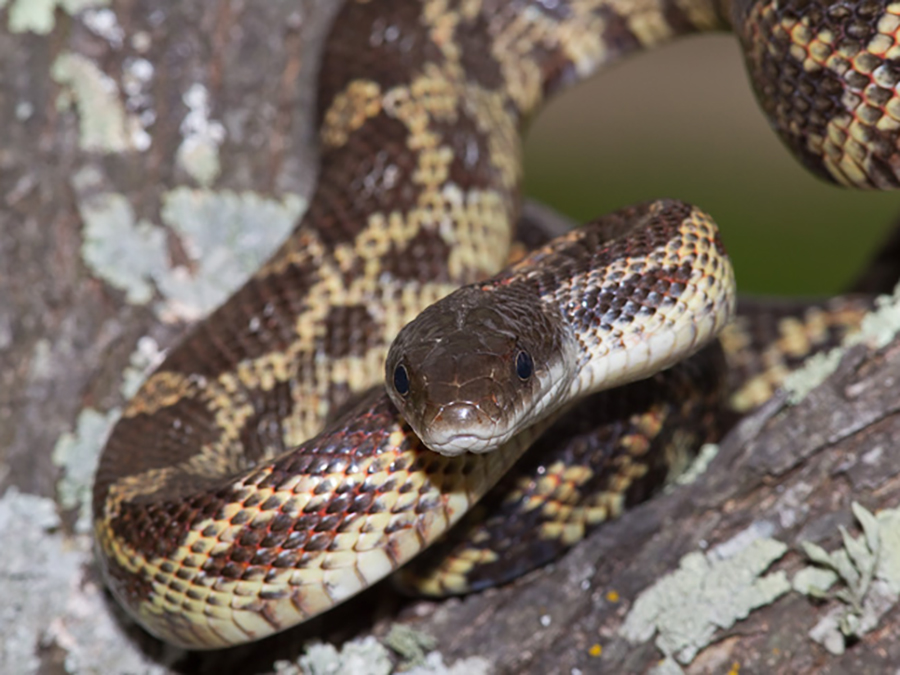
column 367, row 656
column 227, row 235
column 198, row 153
column 877, row 329
column 143, row 360
column 866, row 570
column 708, row 592
column 31, row 574
column 434, row 665
column 103, row 22
column 358, row 657
column 126, row 253
column 48, row 601
column 76, row 453
column 36, row 16
column 104, row 126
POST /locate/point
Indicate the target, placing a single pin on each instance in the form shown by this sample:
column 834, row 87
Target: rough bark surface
column 788, row 473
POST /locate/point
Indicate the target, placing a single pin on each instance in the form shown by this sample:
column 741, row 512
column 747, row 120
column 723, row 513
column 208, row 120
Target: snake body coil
column 210, row 528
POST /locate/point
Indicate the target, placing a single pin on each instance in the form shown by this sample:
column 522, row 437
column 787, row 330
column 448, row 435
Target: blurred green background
column 682, row 122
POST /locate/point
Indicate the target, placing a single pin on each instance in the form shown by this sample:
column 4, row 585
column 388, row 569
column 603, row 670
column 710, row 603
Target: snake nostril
column 524, row 365
column 401, row 380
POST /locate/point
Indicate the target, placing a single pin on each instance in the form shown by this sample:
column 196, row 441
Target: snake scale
column 222, row 511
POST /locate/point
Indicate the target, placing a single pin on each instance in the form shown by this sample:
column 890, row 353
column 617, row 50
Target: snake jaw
column 442, row 434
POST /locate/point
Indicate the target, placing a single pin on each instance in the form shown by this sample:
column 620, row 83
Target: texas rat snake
column 220, row 514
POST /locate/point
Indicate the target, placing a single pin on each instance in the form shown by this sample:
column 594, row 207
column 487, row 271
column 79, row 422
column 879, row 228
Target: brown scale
column 417, row 99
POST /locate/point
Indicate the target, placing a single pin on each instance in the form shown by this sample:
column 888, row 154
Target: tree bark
column 98, row 148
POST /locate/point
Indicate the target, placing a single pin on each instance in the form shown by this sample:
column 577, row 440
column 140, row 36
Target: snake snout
column 460, row 427
column 457, row 402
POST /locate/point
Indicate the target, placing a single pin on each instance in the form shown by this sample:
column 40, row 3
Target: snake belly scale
column 210, row 528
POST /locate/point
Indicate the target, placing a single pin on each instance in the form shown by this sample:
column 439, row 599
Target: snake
column 265, row 472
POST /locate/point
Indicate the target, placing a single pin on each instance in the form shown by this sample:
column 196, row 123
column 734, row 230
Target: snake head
column 474, row 369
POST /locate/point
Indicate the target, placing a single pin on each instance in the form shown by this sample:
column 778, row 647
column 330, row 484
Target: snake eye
column 401, row 380
column 524, row 365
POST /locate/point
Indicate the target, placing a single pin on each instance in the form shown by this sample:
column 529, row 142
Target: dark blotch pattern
column 374, row 41
column 344, row 336
column 800, row 102
column 422, row 257
column 177, row 433
column 619, row 236
column 370, row 173
column 262, row 435
column 257, row 320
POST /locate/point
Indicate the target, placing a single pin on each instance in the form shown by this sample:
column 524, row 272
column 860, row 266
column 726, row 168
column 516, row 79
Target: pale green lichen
column 37, row 16
column 227, row 235
column 434, row 665
column 814, row 581
column 367, row 656
column 49, row 602
column 103, row 122
column 143, row 360
column 697, row 468
column 877, row 329
column 198, row 153
column 411, row 645
column 126, row 253
column 358, row 657
column 30, row 571
column 814, row 372
column 867, row 570
column 707, row 593
column 76, row 453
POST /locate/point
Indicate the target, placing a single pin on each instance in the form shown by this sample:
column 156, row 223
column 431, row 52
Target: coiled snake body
column 212, row 525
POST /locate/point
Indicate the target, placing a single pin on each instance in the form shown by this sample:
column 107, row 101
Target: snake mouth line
column 453, row 442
